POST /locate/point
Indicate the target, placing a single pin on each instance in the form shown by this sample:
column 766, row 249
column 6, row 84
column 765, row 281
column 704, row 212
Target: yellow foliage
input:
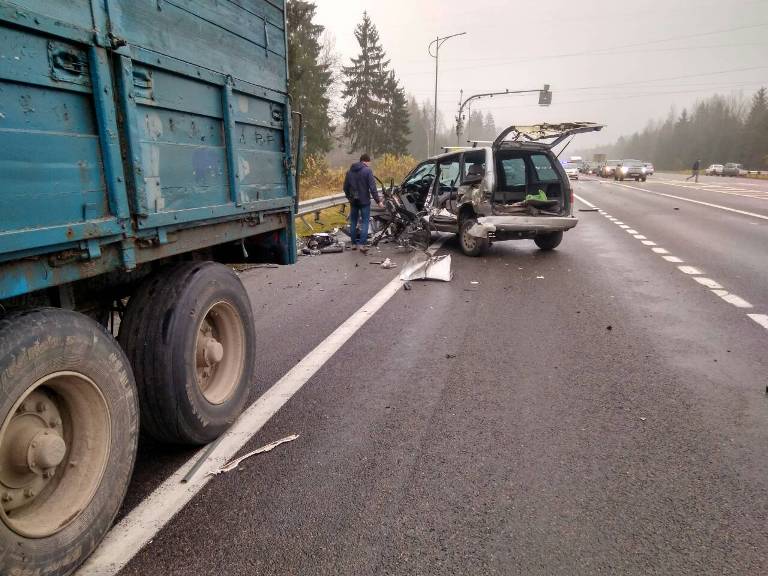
column 319, row 179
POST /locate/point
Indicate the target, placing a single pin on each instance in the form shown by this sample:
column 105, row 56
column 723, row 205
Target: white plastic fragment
column 229, row 466
column 388, row 264
column 423, row 267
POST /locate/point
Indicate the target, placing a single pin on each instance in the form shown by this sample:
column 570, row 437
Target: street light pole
column 437, row 42
column 545, row 99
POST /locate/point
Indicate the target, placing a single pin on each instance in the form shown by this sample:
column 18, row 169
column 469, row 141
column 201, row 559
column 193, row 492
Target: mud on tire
column 68, row 434
column 189, row 334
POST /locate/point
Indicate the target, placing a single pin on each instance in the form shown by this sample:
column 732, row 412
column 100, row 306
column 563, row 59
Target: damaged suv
column 514, row 189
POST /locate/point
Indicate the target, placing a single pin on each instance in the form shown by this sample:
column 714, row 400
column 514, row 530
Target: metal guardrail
column 317, row 204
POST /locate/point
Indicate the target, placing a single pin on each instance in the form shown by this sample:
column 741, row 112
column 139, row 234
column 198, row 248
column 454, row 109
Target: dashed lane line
column 714, row 286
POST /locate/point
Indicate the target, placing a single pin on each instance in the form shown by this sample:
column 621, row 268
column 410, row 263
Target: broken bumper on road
column 507, row 227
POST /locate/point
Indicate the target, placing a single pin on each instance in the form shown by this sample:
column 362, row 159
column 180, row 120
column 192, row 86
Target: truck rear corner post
column 142, row 146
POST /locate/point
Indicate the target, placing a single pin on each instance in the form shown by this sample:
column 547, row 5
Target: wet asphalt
column 592, row 410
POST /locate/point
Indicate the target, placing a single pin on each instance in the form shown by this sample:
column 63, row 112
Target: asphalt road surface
column 600, row 409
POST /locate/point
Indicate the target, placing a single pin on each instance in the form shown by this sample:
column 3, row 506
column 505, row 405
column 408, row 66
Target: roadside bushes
column 320, row 179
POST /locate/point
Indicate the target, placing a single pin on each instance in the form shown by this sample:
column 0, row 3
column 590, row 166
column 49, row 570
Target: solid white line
column 138, row 528
column 708, row 282
column 718, row 206
column 587, row 202
column 761, row 319
column 660, row 250
column 674, row 259
column 689, row 270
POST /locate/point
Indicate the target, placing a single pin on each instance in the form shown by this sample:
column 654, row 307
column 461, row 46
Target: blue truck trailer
column 143, row 145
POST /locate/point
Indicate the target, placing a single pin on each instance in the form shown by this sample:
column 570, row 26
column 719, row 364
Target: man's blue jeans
column 359, row 211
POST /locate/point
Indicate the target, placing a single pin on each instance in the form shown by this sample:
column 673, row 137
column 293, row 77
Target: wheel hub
column 219, row 352
column 33, row 448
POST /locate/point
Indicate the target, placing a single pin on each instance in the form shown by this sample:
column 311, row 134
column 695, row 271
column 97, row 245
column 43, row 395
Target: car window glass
column 449, row 173
column 545, row 172
column 474, row 164
column 512, row 172
column 421, row 172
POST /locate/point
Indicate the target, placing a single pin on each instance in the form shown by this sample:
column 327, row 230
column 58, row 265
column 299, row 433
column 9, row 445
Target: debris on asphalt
column 244, row 267
column 321, row 243
column 388, row 264
column 539, row 277
column 232, row 464
column 422, row 266
column 588, row 209
column 449, row 356
column 474, row 282
column 407, row 286
column 609, row 327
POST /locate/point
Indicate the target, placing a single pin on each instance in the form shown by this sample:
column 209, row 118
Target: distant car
column 649, row 169
column 609, row 168
column 714, row 170
column 733, row 169
column 571, row 170
column 630, row 169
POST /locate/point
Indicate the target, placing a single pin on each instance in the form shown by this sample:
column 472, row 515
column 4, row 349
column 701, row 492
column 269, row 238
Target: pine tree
column 756, row 132
column 364, row 91
column 310, row 77
column 489, row 127
column 396, row 126
column 418, row 147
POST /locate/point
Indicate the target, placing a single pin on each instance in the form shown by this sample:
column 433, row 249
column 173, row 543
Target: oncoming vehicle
column 571, row 170
column 714, row 170
column 513, row 189
column 609, row 168
column 630, row 169
column 733, row 169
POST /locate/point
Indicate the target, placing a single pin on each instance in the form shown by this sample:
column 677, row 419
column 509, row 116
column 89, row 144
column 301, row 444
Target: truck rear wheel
column 549, row 241
column 188, row 332
column 68, row 435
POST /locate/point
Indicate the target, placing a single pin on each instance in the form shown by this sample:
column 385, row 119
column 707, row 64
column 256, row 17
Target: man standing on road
column 359, row 187
column 694, row 172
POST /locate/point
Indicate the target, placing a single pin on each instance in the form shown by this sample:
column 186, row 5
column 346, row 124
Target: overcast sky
column 615, row 62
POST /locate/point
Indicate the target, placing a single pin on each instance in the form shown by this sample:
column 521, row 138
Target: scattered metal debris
column 424, row 267
column 388, row 264
column 244, row 267
column 588, row 209
column 321, row 243
column 231, row 465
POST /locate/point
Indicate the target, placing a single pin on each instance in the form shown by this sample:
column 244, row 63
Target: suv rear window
column 545, row 172
column 512, row 173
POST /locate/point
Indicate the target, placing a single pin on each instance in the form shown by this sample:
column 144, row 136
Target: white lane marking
column 689, row 270
column 587, row 202
column 718, row 206
column 721, row 293
column 619, row 223
column 731, row 191
column 641, row 237
column 736, row 301
column 630, row 231
column 623, row 226
column 674, row 259
column 138, row 528
column 761, row 319
column 660, row 250
column 708, row 282
column 649, row 242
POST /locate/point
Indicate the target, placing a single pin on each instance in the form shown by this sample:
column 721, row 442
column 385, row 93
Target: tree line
column 377, row 116
column 716, row 130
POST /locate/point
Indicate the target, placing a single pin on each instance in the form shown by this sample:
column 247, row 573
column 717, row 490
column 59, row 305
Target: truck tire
column 471, row 245
column 189, row 334
column 548, row 242
column 69, row 426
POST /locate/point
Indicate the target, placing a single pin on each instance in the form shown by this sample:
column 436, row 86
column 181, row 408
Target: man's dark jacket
column 360, row 185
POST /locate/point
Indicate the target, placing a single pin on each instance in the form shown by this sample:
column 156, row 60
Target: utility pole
column 437, row 42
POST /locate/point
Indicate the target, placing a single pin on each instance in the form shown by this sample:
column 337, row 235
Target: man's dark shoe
column 364, row 249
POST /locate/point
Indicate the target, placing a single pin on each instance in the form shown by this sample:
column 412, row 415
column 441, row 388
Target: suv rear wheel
column 549, row 241
column 471, row 245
